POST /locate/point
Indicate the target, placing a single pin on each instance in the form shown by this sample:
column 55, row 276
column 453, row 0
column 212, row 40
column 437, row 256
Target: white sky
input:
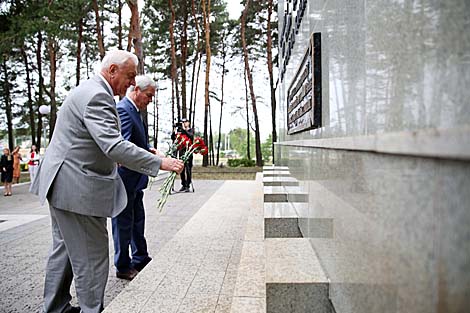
column 234, row 8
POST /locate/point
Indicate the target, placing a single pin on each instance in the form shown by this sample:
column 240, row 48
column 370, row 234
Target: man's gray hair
column 118, row 57
column 143, row 82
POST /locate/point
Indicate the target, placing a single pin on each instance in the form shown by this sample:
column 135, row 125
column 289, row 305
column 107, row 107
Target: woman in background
column 16, row 164
column 33, row 162
column 6, row 165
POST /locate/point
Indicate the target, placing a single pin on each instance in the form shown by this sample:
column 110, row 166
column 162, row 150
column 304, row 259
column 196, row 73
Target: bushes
column 241, row 162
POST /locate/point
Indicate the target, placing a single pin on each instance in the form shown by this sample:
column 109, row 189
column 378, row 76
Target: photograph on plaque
column 304, row 93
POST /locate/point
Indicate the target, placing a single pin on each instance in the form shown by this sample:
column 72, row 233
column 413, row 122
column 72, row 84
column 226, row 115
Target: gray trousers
column 80, row 251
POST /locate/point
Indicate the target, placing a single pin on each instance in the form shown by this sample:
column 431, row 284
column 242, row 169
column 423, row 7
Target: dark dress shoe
column 182, row 189
column 130, row 275
column 140, row 266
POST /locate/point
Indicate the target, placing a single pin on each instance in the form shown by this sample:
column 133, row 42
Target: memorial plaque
column 304, row 93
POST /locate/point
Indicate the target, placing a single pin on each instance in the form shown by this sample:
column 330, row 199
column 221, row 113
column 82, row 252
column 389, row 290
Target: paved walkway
column 25, row 239
column 197, row 270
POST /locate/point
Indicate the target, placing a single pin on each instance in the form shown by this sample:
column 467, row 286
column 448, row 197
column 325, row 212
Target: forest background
column 213, row 67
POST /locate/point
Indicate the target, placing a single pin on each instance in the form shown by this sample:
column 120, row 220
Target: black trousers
column 186, row 174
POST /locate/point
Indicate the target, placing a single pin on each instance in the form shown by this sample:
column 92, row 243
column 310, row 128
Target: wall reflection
column 395, row 229
column 388, row 65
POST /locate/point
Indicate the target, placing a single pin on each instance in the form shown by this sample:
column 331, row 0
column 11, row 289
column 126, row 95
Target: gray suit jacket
column 79, row 170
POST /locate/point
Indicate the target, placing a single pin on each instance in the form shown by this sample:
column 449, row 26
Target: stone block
column 276, row 174
column 275, row 168
column 282, row 228
column 295, row 281
column 298, row 298
column 280, row 181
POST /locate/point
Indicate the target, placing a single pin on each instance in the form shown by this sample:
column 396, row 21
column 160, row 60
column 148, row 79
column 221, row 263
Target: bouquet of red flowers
column 181, row 142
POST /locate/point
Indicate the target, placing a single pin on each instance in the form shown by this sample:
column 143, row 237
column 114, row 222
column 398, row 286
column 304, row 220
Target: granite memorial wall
column 374, row 121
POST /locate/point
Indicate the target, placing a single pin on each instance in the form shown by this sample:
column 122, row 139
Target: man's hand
column 157, row 153
column 170, row 164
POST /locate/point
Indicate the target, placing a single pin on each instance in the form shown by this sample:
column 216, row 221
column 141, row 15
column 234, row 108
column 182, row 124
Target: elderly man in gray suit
column 79, row 178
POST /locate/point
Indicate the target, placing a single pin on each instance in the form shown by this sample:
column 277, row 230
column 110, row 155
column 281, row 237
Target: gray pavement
column 197, row 270
column 25, row 239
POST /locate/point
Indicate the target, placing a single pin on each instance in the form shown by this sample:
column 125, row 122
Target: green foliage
column 238, row 141
column 241, row 162
column 266, row 149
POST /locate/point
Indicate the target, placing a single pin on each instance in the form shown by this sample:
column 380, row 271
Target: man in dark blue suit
column 128, row 226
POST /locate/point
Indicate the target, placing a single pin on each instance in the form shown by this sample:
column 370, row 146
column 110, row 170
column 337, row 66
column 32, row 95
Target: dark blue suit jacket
column 133, row 130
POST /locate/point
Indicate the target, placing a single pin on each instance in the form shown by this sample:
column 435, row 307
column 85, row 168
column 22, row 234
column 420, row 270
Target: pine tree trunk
column 119, row 13
column 224, row 54
column 184, row 57
column 135, row 35
column 79, row 50
column 155, row 121
column 206, row 14
column 7, row 99
column 197, row 82
column 52, row 50
column 271, row 79
column 196, row 60
column 259, row 159
column 174, row 73
column 248, row 148
column 40, row 87
column 211, row 140
column 32, row 124
column 135, row 40
column 98, row 29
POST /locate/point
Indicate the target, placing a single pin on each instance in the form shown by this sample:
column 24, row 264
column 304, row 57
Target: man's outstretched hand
column 170, row 164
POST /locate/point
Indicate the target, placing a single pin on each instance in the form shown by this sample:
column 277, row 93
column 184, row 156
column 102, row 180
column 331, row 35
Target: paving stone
column 129, row 301
column 224, row 304
column 207, row 282
column 24, row 249
column 248, row 304
column 161, row 303
column 199, row 304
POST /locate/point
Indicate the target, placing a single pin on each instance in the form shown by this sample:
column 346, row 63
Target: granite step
column 281, row 220
column 277, row 173
column 284, row 194
column 295, row 280
column 275, row 168
column 280, row 181
column 250, row 287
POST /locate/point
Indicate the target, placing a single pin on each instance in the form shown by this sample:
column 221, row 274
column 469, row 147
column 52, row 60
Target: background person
column 129, row 225
column 16, row 164
column 33, row 162
column 186, row 174
column 6, row 165
column 79, row 178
